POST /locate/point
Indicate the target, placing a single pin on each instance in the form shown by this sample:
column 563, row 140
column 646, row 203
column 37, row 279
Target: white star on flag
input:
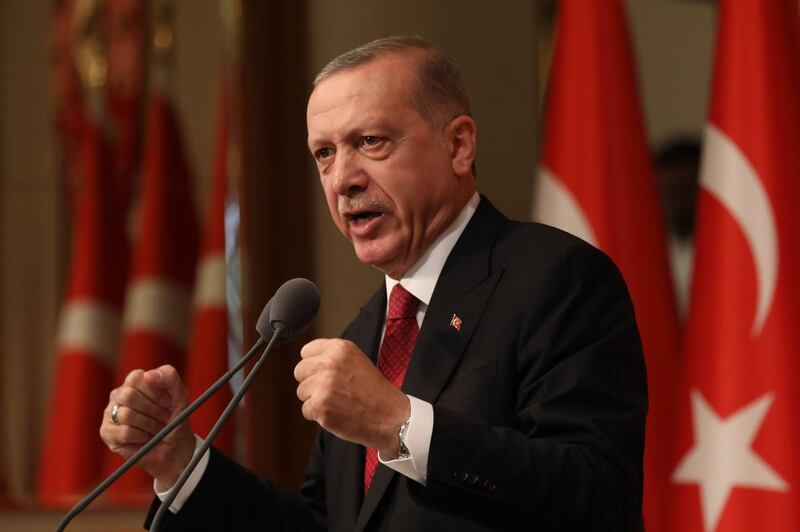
column 722, row 456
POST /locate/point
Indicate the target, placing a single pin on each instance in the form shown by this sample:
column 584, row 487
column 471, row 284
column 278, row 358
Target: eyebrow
column 354, row 132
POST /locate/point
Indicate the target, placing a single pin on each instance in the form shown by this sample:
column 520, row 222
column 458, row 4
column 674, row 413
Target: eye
column 323, row 153
column 370, row 141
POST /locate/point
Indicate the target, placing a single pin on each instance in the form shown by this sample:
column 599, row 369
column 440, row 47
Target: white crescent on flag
column 728, row 176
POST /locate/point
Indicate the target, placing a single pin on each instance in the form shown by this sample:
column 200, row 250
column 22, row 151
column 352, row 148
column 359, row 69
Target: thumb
column 166, row 378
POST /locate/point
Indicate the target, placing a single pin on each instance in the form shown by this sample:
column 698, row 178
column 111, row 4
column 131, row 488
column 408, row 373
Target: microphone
column 269, row 335
column 292, row 308
column 265, row 331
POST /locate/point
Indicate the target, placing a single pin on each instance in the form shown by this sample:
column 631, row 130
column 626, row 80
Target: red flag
column 69, row 107
column 208, row 353
column 736, row 467
column 157, row 306
column 124, row 21
column 596, row 181
column 88, row 335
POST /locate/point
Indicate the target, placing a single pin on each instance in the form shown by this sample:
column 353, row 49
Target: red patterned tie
column 398, row 342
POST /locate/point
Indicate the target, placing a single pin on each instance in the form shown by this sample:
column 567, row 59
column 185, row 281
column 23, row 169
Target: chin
column 367, row 257
column 375, row 256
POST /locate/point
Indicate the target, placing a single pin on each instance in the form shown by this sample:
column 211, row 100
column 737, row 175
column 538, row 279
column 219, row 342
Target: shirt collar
column 420, row 279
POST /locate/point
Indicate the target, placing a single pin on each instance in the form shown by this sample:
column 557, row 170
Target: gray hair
column 440, row 94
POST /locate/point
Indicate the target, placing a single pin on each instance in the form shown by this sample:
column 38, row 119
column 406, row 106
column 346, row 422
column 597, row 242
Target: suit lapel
column 463, row 289
column 365, row 332
column 380, row 483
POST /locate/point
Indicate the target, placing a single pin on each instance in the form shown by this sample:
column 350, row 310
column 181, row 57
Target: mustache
column 362, row 203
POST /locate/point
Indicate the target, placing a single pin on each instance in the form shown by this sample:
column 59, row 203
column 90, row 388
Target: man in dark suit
column 495, row 383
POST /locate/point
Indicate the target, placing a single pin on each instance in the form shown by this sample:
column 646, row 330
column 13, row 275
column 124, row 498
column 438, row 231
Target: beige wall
column 29, row 261
column 674, row 45
column 198, row 67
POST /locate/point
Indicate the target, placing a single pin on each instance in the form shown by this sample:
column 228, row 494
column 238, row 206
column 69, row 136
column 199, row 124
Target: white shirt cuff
column 418, row 441
column 191, row 482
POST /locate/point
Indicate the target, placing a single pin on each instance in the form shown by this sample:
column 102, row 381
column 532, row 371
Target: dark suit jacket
column 539, row 405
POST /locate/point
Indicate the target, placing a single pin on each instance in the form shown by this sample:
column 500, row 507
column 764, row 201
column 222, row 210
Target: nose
column 349, row 176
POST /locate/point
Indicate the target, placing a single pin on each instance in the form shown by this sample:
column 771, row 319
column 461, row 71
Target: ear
column 461, row 136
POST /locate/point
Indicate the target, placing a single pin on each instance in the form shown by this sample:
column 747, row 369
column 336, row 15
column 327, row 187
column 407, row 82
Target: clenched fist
column 146, row 402
column 347, row 395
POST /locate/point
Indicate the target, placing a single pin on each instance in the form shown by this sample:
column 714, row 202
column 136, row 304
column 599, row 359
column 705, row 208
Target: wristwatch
column 402, row 430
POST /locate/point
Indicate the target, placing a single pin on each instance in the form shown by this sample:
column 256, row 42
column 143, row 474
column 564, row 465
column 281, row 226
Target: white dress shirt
column 420, row 281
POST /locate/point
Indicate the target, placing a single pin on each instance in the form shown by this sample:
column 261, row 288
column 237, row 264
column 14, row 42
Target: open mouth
column 362, row 217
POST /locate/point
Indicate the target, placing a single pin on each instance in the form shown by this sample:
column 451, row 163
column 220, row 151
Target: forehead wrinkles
column 328, row 118
column 345, row 123
column 365, row 92
column 333, row 109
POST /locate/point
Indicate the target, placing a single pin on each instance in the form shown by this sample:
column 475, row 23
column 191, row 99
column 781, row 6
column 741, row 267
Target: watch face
column 403, row 430
column 404, row 452
column 401, row 436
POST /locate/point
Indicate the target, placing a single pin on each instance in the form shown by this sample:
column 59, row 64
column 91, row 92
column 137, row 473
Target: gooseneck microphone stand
column 165, row 504
column 78, row 508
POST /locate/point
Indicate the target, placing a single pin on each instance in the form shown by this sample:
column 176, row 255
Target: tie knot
column 402, row 304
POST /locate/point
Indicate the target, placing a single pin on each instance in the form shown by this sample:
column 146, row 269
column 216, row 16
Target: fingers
column 306, row 368
column 308, row 411
column 135, row 399
column 315, row 347
column 325, row 353
column 145, row 402
column 136, row 379
column 305, row 388
column 312, row 399
column 166, row 379
column 127, row 416
column 121, row 435
column 340, row 358
column 126, row 436
column 143, row 410
column 328, row 346
column 312, row 358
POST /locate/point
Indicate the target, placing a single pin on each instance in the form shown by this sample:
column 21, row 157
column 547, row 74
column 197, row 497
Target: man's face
column 388, row 178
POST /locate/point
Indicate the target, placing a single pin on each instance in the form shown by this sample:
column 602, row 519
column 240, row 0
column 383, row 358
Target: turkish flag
column 208, row 352
column 737, row 466
column 596, row 181
column 88, row 333
column 158, row 302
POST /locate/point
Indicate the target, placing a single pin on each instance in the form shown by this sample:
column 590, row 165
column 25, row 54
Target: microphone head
column 293, row 307
column 263, row 326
